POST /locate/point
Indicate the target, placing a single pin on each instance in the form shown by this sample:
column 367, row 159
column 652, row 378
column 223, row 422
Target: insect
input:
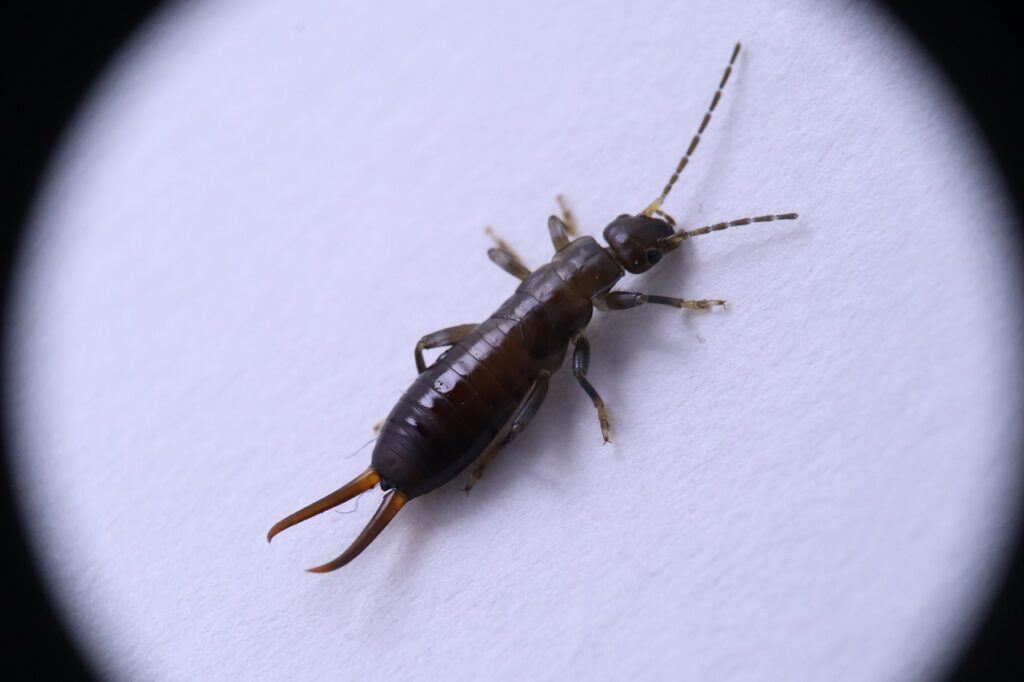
column 482, row 392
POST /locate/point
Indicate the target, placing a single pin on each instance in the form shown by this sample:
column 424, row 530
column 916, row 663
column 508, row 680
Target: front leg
column 563, row 229
column 621, row 300
column 439, row 339
column 568, row 217
column 580, row 363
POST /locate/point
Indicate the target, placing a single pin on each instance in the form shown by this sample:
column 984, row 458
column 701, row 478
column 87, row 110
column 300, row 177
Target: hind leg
column 519, row 420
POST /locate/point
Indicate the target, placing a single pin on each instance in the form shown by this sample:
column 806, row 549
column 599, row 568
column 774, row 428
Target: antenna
column 687, row 234
column 655, row 205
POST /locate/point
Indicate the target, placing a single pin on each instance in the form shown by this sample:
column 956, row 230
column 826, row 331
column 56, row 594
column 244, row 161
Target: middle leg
column 439, row 339
column 580, row 363
column 505, row 257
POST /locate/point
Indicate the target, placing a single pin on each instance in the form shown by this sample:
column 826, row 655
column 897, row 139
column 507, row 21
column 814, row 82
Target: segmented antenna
column 656, row 204
column 686, row 234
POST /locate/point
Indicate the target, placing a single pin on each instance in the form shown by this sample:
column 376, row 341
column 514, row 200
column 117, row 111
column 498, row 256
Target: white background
column 264, row 206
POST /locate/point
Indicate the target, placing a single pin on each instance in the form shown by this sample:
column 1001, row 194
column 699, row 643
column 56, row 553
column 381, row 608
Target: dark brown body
column 460, row 404
column 486, row 387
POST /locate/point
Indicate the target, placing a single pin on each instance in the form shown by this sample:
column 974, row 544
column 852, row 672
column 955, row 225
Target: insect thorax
column 586, row 267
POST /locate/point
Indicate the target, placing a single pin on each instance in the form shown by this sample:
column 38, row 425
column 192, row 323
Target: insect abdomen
column 459, row 405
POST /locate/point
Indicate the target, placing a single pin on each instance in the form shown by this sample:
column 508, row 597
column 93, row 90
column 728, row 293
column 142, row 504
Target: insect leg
column 509, row 263
column 580, row 362
column 621, row 300
column 559, row 232
column 444, row 337
column 563, row 229
column 505, row 257
column 531, row 403
column 567, row 216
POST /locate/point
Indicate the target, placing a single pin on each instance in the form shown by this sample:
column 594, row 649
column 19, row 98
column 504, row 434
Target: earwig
column 483, row 391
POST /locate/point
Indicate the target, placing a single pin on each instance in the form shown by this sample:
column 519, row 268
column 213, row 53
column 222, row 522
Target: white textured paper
column 264, row 205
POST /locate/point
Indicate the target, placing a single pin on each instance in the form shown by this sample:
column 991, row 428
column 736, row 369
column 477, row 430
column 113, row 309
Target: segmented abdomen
column 458, row 406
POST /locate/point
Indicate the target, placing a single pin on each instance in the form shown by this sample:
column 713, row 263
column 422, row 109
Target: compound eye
column 653, row 256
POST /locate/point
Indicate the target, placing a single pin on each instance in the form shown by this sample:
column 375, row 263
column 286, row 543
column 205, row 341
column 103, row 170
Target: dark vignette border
column 975, row 44
column 57, row 50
